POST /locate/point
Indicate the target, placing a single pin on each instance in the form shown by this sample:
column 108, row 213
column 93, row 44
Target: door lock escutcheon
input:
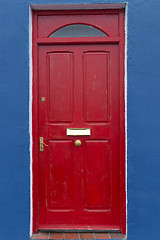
column 43, row 99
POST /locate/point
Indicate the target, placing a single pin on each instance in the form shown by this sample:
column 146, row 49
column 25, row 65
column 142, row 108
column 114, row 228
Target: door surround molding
column 37, row 9
column 112, row 6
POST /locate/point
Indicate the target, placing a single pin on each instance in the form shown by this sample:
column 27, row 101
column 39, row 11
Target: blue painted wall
column 143, row 118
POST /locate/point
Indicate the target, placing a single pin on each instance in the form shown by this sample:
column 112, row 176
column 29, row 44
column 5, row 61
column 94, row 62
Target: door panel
column 97, row 175
column 79, row 186
column 60, row 86
column 60, row 172
column 96, row 86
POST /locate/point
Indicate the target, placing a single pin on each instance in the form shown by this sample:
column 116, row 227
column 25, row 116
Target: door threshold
column 78, row 231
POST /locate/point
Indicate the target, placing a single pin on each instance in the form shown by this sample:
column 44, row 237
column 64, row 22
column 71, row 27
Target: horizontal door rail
column 77, row 40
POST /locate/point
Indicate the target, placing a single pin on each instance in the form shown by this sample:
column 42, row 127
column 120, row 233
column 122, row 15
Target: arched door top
column 57, row 22
column 78, row 30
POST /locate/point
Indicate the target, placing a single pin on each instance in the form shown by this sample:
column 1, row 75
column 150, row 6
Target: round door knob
column 78, row 143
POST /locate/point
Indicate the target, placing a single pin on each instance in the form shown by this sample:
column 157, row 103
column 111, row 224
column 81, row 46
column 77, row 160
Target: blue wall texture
column 143, row 118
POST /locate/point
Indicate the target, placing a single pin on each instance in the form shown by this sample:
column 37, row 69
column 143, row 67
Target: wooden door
column 78, row 86
column 79, row 187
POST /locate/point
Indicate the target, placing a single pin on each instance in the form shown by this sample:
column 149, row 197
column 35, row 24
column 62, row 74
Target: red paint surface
column 79, row 187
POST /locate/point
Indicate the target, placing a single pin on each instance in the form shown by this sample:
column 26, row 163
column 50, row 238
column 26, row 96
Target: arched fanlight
column 78, row 30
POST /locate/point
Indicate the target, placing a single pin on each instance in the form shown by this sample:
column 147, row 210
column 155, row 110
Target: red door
column 78, row 94
column 79, row 186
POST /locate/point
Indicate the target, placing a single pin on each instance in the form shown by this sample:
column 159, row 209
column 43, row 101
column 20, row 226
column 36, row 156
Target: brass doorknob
column 78, row 143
